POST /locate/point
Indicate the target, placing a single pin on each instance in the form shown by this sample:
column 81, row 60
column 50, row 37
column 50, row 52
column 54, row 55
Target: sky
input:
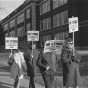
column 9, row 6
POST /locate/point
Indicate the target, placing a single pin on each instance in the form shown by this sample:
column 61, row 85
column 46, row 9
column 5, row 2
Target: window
column 54, row 20
column 20, row 31
column 64, row 1
column 12, row 33
column 45, row 24
column 66, row 34
column 20, row 18
column 60, row 2
column 6, row 34
column 60, row 19
column 61, row 35
column 28, row 27
column 65, row 16
column 48, row 5
column 28, row 13
column 45, row 7
column 5, row 27
column 49, row 22
column 41, row 9
column 12, row 23
column 57, row 3
column 44, row 38
column 41, row 25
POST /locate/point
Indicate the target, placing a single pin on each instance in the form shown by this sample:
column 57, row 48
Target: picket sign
column 73, row 26
column 32, row 36
column 11, row 43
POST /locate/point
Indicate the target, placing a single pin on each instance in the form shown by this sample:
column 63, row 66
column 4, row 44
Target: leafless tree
column 2, row 10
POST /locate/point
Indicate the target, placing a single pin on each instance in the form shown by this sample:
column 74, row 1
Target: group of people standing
column 46, row 62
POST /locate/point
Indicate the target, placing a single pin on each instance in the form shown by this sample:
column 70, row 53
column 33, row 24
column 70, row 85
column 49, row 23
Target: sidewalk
column 7, row 82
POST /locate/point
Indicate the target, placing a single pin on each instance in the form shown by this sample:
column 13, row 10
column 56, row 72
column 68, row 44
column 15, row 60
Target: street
column 5, row 80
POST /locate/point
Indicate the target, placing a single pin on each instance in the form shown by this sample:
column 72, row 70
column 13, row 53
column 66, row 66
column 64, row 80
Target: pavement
column 7, row 82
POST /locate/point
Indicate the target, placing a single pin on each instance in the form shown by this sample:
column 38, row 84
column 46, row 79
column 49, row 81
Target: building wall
column 76, row 8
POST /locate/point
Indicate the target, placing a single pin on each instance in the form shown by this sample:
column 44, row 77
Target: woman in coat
column 16, row 71
column 70, row 62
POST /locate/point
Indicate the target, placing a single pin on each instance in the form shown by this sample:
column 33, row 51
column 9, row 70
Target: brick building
column 50, row 17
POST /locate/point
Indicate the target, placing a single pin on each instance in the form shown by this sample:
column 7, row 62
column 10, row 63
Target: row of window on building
column 20, row 19
column 45, row 6
column 20, row 31
column 58, row 20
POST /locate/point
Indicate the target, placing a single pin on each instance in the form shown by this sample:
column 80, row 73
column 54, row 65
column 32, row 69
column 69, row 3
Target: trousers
column 31, row 83
column 48, row 80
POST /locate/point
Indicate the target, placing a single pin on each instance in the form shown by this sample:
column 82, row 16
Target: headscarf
column 66, row 45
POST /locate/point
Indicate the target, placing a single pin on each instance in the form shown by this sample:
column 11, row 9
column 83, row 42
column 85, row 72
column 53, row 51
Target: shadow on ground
column 5, row 69
column 5, row 85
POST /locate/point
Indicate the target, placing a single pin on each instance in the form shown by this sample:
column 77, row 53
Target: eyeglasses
column 70, row 43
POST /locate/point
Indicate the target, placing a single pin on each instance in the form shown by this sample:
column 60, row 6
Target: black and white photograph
column 43, row 43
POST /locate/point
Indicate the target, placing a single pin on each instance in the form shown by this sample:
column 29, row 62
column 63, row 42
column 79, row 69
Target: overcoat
column 71, row 75
column 47, row 59
column 32, row 68
column 16, row 67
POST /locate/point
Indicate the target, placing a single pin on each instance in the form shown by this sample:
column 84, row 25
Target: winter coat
column 32, row 68
column 71, row 74
column 16, row 67
column 47, row 59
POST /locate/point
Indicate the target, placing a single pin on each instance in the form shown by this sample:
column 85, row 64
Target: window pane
column 55, row 4
column 64, row 1
column 60, row 2
column 41, row 25
column 60, row 15
column 65, row 17
column 44, row 24
column 54, row 20
column 28, row 13
column 48, row 5
column 66, row 34
column 49, row 23
column 41, row 9
column 61, row 36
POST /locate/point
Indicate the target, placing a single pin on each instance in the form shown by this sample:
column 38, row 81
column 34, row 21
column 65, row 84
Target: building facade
column 50, row 18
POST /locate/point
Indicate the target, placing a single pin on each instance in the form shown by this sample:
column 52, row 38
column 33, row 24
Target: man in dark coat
column 46, row 62
column 70, row 62
column 31, row 58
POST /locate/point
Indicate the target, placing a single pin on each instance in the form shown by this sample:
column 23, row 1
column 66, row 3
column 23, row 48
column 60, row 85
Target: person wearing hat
column 31, row 56
column 70, row 63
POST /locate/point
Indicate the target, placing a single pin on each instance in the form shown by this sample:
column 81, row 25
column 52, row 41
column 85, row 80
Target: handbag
column 10, row 60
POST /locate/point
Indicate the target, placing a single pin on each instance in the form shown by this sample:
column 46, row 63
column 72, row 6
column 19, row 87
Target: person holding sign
column 31, row 56
column 16, row 71
column 70, row 62
column 46, row 62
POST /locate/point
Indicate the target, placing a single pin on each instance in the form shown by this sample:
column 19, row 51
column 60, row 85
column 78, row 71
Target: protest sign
column 33, row 36
column 11, row 43
column 53, row 45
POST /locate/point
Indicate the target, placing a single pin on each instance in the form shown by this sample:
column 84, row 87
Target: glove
column 47, row 68
column 73, row 59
